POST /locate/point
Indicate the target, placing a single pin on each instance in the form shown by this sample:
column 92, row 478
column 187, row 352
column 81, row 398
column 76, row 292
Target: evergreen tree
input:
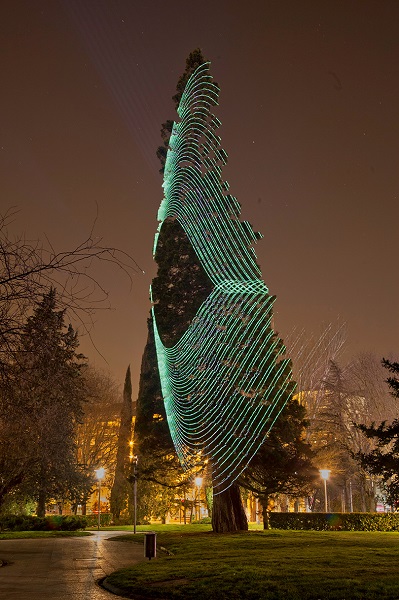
column 178, row 290
column 231, row 294
column 194, row 59
column 384, row 459
column 119, row 489
column 50, row 392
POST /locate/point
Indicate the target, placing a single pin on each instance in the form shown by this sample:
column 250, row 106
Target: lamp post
column 100, row 475
column 325, row 474
column 198, row 483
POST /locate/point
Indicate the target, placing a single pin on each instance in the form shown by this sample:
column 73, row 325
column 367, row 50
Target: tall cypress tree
column 223, row 379
column 119, row 489
column 178, row 290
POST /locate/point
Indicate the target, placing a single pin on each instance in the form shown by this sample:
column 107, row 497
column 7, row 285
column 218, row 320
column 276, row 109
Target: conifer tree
column 179, row 288
column 119, row 491
column 384, row 459
column 49, row 389
column 213, row 312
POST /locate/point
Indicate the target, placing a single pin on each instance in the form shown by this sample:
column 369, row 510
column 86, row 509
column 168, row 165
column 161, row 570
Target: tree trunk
column 228, row 515
column 264, row 502
column 41, row 504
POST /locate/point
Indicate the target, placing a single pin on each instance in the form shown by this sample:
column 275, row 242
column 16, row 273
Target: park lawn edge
column 221, row 563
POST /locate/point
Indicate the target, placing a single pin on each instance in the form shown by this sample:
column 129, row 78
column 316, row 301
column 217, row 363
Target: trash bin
column 150, row 545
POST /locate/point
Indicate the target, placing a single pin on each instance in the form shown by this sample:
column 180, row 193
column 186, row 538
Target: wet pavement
column 63, row 568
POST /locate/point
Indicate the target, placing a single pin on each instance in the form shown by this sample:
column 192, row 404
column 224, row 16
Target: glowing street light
column 325, row 474
column 99, row 475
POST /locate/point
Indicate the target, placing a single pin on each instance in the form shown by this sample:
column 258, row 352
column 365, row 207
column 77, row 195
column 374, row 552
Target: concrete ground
column 63, row 568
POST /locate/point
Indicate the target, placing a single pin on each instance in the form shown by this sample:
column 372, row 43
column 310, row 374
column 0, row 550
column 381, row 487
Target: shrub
column 203, row 521
column 29, row 523
column 335, row 521
column 105, row 520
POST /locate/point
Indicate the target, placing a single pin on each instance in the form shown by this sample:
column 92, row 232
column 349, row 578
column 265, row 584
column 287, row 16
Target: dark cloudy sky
column 309, row 106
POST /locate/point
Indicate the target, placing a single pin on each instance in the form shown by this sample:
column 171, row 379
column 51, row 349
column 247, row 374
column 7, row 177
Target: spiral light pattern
column 224, row 382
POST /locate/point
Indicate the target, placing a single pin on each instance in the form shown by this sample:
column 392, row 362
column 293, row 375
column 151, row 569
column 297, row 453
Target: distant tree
column 383, row 460
column 119, row 491
column 97, row 432
column 48, row 393
column 283, row 464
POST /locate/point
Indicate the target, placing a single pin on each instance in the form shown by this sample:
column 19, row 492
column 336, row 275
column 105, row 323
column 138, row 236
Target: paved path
column 63, row 568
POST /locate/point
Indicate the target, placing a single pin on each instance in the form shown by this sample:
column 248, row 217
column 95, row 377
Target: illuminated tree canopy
column 224, row 382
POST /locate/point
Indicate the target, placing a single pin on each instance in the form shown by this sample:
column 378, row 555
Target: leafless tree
column 29, row 268
column 97, row 434
column 311, row 356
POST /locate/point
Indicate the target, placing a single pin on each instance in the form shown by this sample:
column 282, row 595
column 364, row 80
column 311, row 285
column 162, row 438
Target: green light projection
column 224, row 382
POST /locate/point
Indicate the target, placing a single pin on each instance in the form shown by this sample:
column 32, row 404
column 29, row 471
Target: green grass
column 23, row 535
column 258, row 565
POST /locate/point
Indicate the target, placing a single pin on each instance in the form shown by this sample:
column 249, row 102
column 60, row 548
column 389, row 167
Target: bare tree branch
column 29, row 268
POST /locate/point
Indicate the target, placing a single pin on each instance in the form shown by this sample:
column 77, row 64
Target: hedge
column 105, row 520
column 335, row 521
column 53, row 523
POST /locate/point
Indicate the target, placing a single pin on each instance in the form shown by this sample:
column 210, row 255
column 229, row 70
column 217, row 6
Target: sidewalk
column 63, row 568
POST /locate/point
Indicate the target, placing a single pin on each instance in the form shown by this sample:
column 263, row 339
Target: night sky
column 309, row 109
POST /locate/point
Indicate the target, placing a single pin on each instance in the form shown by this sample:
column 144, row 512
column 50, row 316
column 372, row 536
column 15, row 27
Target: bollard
column 150, row 545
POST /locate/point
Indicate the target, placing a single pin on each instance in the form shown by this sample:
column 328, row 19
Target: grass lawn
column 258, row 565
column 20, row 535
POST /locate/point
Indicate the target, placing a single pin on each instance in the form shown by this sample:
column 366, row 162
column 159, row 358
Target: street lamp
column 198, row 483
column 99, row 475
column 325, row 474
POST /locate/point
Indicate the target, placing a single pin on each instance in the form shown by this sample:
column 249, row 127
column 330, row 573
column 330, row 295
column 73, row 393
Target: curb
column 117, row 591
column 111, row 588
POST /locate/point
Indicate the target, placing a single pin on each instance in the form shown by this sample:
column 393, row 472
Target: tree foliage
column 29, row 269
column 157, row 459
column 194, row 60
column 383, row 460
column 177, row 290
column 119, row 491
column 46, row 402
column 97, row 432
column 284, row 463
